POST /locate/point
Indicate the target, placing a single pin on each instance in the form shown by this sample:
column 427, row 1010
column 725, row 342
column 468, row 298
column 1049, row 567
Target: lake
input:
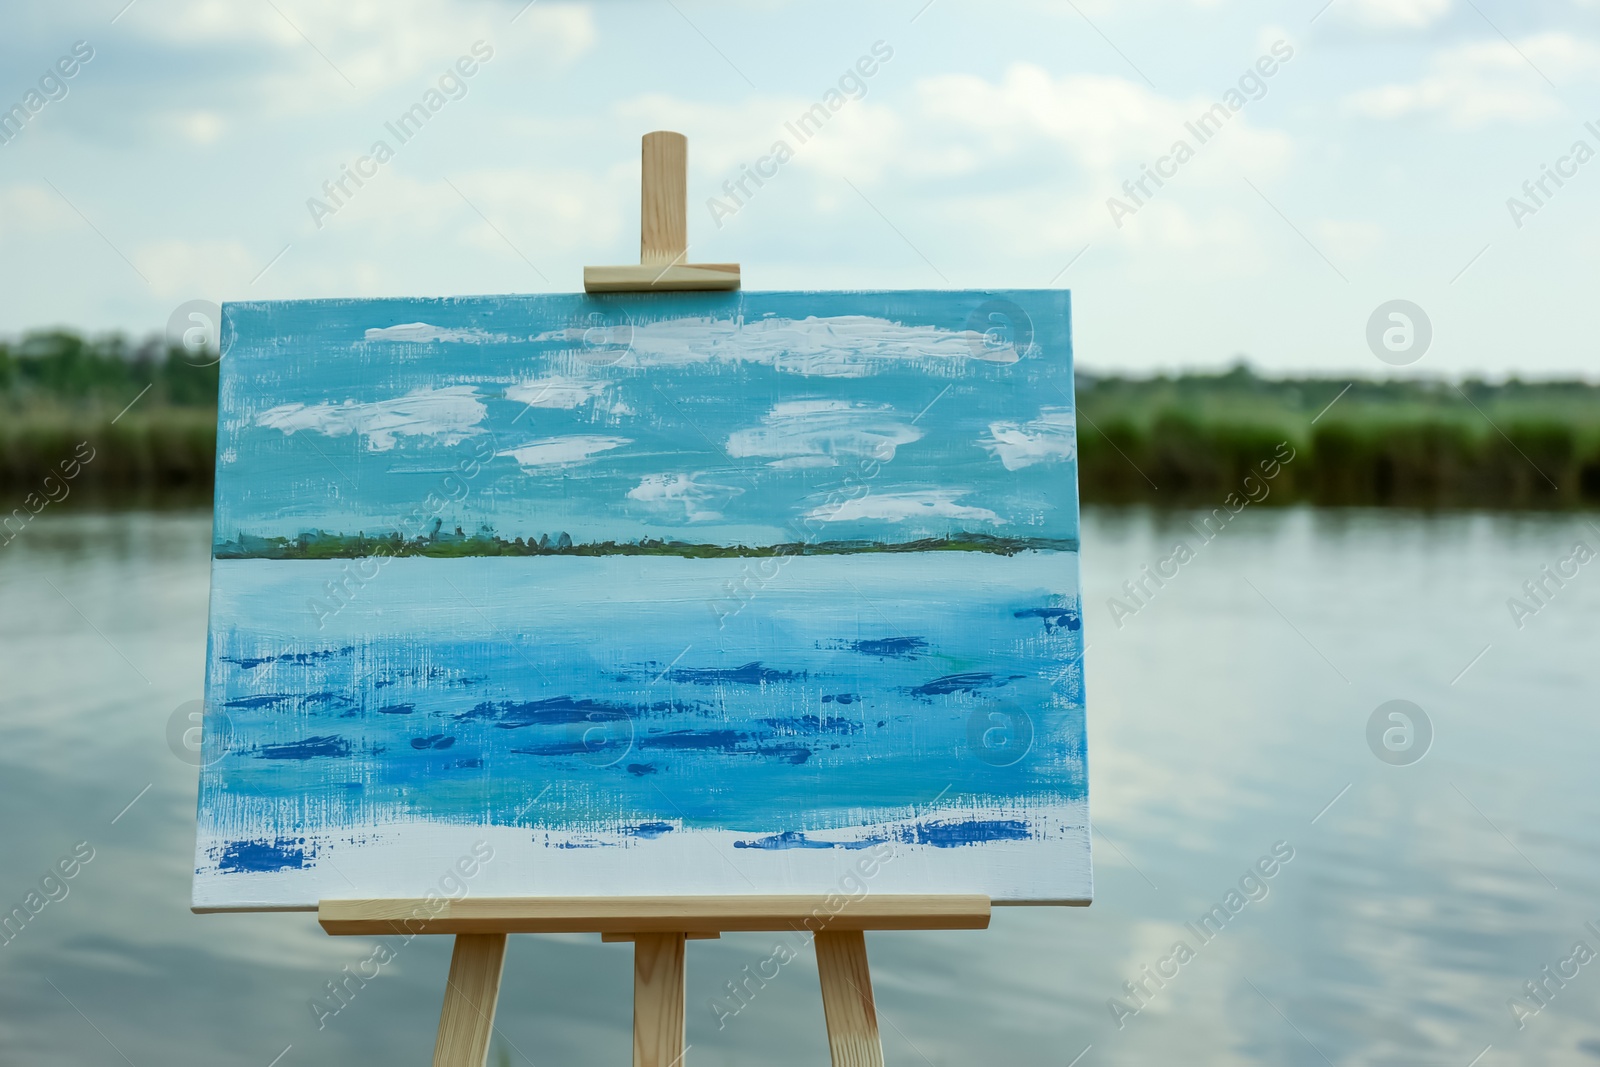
column 1234, row 728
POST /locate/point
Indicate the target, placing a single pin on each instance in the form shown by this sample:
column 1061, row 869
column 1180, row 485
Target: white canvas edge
column 413, row 859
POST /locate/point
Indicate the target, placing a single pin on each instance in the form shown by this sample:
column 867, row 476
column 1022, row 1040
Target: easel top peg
column 663, row 229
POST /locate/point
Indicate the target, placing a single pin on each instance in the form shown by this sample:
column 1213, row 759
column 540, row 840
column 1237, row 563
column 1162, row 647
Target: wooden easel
column 659, row 927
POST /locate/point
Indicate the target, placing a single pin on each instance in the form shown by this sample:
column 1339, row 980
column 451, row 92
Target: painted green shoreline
column 320, row 545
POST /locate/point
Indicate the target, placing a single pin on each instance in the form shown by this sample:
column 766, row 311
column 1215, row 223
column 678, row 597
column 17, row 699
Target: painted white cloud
column 423, row 333
column 898, row 507
column 816, row 433
column 836, row 346
column 670, row 492
column 564, row 393
column 1051, row 436
column 562, row 451
column 1486, row 81
column 446, row 414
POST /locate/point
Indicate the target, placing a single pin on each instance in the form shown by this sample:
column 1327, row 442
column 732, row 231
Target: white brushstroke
column 424, row 333
column 668, row 492
column 447, row 414
column 837, row 346
column 815, row 433
column 566, row 393
column 1051, row 436
column 562, row 451
column 898, row 507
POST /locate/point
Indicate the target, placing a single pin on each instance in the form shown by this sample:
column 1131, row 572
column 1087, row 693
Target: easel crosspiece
column 658, row 927
column 663, row 229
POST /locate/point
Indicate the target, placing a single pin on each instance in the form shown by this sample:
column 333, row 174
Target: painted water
column 1228, row 715
column 799, row 703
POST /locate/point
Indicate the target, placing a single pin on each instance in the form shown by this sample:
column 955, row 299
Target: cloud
column 179, row 268
column 1396, row 14
column 668, row 492
column 1051, row 436
column 815, row 433
column 564, row 393
column 836, row 346
column 293, row 58
column 1104, row 124
column 424, row 333
column 995, row 134
column 898, row 507
column 562, row 451
column 1486, row 81
column 445, row 414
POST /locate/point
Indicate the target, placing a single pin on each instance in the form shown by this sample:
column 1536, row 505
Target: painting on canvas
column 645, row 594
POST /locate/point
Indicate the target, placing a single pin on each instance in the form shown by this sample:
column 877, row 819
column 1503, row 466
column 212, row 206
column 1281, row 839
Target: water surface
column 1227, row 714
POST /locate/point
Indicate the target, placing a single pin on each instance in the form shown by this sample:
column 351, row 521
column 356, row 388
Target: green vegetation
column 440, row 544
column 1194, row 438
column 1188, row 440
column 58, row 390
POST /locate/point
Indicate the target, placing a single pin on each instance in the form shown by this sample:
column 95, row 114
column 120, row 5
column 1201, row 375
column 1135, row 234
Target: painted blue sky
column 749, row 418
column 1376, row 164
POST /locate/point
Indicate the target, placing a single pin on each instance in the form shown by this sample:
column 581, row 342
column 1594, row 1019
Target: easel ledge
column 638, row 915
column 659, row 928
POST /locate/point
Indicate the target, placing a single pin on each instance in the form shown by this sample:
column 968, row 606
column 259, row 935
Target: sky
column 186, row 156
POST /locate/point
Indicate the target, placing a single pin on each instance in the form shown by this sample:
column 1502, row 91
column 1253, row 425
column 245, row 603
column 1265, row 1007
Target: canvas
column 645, row 594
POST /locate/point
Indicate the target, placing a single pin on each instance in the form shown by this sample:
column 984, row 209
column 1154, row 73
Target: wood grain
column 466, row 1021
column 634, row 915
column 658, row 1019
column 663, row 198
column 847, row 999
column 660, row 278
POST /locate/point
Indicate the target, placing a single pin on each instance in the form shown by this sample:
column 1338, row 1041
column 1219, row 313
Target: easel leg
column 467, row 1019
column 658, row 1000
column 847, row 999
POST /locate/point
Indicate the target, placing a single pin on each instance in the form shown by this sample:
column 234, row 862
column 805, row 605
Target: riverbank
column 149, row 418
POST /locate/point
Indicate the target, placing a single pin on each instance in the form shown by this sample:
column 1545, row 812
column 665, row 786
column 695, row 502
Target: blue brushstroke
column 752, row 673
column 966, row 832
column 553, row 711
column 795, row 839
column 720, row 740
column 331, row 746
column 896, row 647
column 969, row 682
column 262, row 856
column 1053, row 617
column 264, row 701
column 947, row 834
column 250, row 663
